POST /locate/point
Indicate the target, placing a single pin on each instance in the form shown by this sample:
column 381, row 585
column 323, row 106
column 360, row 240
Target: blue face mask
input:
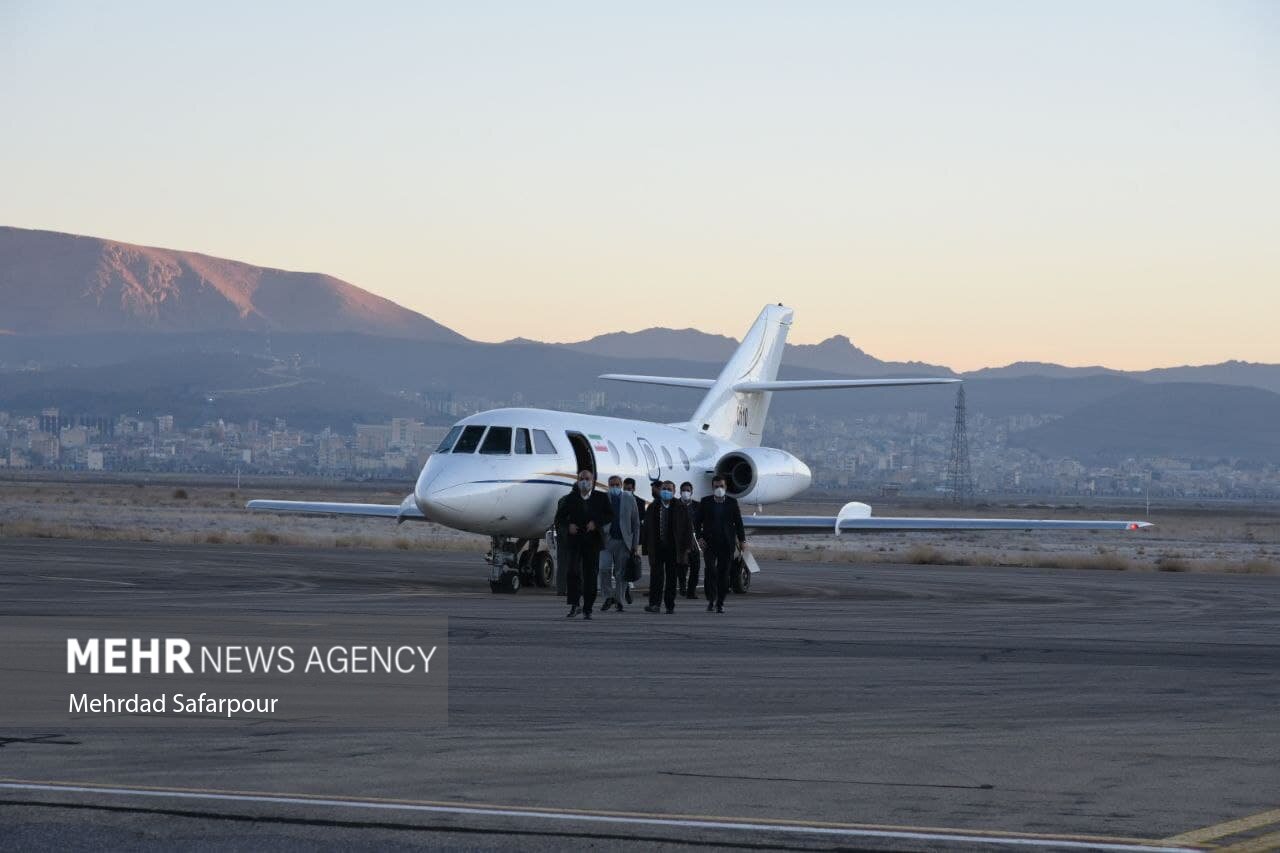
column 665, row 494
column 615, row 490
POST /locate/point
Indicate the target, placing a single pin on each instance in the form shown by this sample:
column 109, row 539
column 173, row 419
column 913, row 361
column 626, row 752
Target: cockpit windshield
column 498, row 441
column 469, row 440
column 449, row 440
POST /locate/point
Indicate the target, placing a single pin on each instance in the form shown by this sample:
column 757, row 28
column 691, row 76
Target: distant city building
column 74, row 437
column 50, row 421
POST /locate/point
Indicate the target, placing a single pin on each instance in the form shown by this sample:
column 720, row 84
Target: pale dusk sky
column 963, row 183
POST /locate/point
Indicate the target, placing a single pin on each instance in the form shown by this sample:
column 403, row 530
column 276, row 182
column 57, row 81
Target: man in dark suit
column 629, row 486
column 719, row 532
column 585, row 515
column 689, row 572
column 562, row 549
column 669, row 536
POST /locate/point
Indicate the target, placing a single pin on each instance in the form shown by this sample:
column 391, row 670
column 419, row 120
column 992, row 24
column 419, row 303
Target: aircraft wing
column 670, row 381
column 406, row 510
column 776, row 384
column 819, row 384
column 857, row 517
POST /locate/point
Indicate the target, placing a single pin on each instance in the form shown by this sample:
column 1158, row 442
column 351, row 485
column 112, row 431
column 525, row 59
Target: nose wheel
column 508, row 581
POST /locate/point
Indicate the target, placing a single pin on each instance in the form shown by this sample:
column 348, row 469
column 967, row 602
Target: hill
column 1178, row 419
column 837, row 354
column 1265, row 376
column 65, row 284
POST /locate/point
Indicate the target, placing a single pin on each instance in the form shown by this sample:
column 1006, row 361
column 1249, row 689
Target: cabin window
column 497, row 442
column 666, row 457
column 449, row 440
column 469, row 440
column 684, row 458
column 631, row 454
column 617, row 457
column 524, row 444
column 650, row 457
column 542, row 442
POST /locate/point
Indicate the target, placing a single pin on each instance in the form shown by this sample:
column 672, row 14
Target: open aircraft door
column 583, row 454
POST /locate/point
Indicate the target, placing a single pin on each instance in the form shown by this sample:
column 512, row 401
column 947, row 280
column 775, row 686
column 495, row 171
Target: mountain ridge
column 56, row 283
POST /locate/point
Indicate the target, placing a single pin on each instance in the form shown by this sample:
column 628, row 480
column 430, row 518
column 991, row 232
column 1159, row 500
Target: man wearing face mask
column 585, row 515
column 629, row 486
column 719, row 530
column 669, row 538
column 689, row 572
column 622, row 540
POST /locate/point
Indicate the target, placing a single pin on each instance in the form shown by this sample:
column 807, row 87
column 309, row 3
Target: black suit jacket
column 730, row 528
column 574, row 509
column 681, row 529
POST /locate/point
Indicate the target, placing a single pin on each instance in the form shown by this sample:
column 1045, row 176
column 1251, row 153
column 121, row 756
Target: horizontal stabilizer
column 670, row 381
column 819, row 384
column 406, row 511
column 801, row 524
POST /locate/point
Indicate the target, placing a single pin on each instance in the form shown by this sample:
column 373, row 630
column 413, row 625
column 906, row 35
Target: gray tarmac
column 910, row 698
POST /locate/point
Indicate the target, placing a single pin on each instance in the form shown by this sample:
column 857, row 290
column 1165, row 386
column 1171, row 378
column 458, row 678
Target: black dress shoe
column 719, row 609
column 608, row 602
column 573, row 611
column 618, row 605
column 649, row 608
column 710, row 607
column 586, row 614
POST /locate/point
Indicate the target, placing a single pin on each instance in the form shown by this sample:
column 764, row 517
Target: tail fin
column 738, row 416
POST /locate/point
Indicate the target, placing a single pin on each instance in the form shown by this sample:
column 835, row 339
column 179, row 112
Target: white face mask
column 585, row 485
column 719, row 491
column 688, row 496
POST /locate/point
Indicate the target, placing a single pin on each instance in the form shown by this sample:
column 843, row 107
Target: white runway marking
column 673, row 821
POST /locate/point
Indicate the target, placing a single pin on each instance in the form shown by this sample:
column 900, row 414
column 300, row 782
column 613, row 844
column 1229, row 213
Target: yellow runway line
column 1226, row 828
column 1268, row 843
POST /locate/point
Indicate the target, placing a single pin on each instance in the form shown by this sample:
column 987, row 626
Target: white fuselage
column 476, row 487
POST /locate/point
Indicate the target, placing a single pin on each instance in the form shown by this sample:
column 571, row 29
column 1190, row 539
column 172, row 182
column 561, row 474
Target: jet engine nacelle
column 763, row 475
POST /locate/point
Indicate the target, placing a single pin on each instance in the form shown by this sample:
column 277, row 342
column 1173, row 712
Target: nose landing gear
column 517, row 562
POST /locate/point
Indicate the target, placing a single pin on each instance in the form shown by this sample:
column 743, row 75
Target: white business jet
column 501, row 472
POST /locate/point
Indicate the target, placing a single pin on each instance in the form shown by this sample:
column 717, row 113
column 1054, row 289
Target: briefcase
column 633, row 568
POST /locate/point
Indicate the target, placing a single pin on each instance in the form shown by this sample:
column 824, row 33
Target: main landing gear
column 518, row 562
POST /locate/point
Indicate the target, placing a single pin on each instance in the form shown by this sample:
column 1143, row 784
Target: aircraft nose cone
column 462, row 505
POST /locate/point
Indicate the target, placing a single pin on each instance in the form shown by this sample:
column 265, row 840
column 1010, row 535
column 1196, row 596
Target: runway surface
column 834, row 706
